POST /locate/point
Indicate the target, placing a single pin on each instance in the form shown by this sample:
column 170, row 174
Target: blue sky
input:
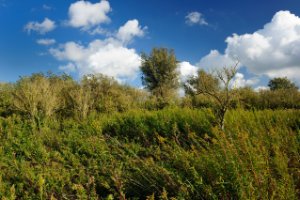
column 96, row 36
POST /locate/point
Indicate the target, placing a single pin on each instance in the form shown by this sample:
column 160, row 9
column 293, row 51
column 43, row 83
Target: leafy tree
column 160, row 76
column 248, row 98
column 279, row 99
column 216, row 86
column 108, row 95
column 281, row 83
column 36, row 96
column 81, row 101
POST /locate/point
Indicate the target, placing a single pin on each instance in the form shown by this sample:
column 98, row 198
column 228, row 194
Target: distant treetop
column 281, row 83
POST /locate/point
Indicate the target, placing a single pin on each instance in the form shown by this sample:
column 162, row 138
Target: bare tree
column 216, row 85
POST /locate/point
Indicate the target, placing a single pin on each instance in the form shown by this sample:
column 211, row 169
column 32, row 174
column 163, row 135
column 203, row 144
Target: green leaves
column 281, row 83
column 165, row 154
column 160, row 74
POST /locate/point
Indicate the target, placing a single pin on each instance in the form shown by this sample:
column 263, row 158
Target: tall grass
column 172, row 153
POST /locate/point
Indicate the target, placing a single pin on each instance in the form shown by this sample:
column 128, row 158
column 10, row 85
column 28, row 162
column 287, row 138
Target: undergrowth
column 167, row 154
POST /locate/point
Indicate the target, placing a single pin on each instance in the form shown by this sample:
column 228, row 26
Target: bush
column 148, row 127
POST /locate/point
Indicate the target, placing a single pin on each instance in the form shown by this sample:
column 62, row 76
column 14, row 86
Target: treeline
column 48, row 95
column 42, row 96
column 247, row 98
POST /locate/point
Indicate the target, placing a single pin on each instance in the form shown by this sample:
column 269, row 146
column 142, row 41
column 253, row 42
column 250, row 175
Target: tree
column 160, row 74
column 36, row 96
column 248, row 98
column 81, row 101
column 215, row 85
column 108, row 95
column 281, row 83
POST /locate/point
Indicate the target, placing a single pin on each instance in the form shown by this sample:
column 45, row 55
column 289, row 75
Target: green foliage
column 5, row 99
column 107, row 95
column 278, row 99
column 249, row 99
column 281, row 83
column 160, row 74
column 38, row 96
column 98, row 139
column 166, row 154
column 41, row 97
column 202, row 83
column 99, row 93
column 216, row 87
column 155, row 127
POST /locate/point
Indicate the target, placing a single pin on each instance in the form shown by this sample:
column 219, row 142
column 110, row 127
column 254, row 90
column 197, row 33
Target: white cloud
column 84, row 14
column 115, row 60
column 46, row 26
column 273, row 51
column 186, row 70
column 109, row 57
column 70, row 51
column 194, row 18
column 68, row 68
column 46, row 41
column 240, row 81
column 215, row 60
column 130, row 30
column 99, row 31
column 259, row 88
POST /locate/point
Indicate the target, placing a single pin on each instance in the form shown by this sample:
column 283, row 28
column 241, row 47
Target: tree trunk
column 222, row 117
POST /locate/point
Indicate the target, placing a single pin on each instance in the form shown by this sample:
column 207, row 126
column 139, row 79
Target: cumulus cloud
column 109, row 57
column 130, row 30
column 273, row 50
column 215, row 60
column 46, row 41
column 194, row 18
column 69, row 51
column 84, row 14
column 239, row 81
column 43, row 27
column 186, row 70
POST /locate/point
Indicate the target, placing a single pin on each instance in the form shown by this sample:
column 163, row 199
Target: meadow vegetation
column 99, row 139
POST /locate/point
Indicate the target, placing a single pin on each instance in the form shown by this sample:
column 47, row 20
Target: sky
column 108, row 37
